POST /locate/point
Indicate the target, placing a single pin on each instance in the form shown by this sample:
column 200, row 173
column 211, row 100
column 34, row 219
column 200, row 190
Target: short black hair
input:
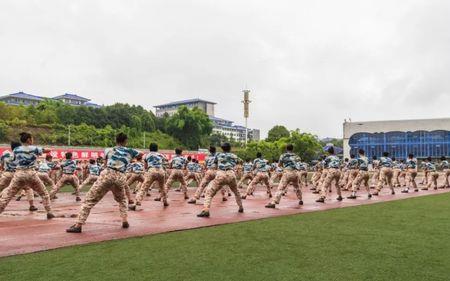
column 226, row 147
column 92, row 161
column 330, row 150
column 178, row 151
column 48, row 157
column 410, row 155
column 361, row 151
column 24, row 137
column 247, row 159
column 68, row 155
column 443, row 158
column 121, row 138
column 258, row 154
column 189, row 158
column 14, row 144
column 346, row 159
column 374, row 157
column 352, row 156
column 212, row 149
column 385, row 154
column 393, row 159
column 290, row 147
column 429, row 158
column 153, row 147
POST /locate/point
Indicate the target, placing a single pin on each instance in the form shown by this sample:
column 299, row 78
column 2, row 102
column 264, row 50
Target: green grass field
column 402, row 240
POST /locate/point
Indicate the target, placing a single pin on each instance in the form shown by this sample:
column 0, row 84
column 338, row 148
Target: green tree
column 278, row 132
column 190, row 126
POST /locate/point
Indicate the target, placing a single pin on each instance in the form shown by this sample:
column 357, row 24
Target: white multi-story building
column 221, row 126
column 22, row 98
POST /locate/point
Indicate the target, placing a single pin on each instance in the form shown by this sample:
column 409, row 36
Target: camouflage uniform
column 385, row 174
column 332, row 164
column 376, row 172
column 136, row 175
column 247, row 174
column 178, row 163
column 225, row 176
column 94, row 172
column 353, row 172
column 43, row 173
column 411, row 168
column 277, row 173
column 68, row 177
column 434, row 175
column 262, row 176
column 318, row 168
column 25, row 176
column 302, row 174
column 209, row 175
column 363, row 175
column 155, row 174
column 446, row 172
column 290, row 176
column 192, row 174
column 113, row 178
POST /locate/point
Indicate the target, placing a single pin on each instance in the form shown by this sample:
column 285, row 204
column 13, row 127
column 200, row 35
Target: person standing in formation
column 261, row 169
column 363, row 175
column 177, row 166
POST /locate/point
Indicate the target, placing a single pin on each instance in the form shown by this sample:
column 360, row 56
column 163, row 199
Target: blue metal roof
column 182, row 102
column 23, row 95
column 92, row 104
column 70, row 96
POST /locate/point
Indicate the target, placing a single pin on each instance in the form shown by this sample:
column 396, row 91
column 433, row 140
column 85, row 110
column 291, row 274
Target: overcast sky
column 309, row 64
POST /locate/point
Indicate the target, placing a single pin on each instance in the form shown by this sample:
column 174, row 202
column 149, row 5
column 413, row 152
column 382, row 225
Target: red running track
column 25, row 232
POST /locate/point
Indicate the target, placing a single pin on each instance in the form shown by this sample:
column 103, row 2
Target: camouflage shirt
column 247, row 167
column 445, row 164
column 44, row 167
column 210, row 161
column 190, row 167
column 155, row 160
column 363, row 163
column 386, row 162
column 353, row 164
column 260, row 165
column 411, row 163
column 25, row 156
column 332, row 162
column 69, row 166
column 226, row 161
column 430, row 166
column 289, row 161
column 94, row 169
column 7, row 161
column 137, row 167
column 178, row 162
column 119, row 157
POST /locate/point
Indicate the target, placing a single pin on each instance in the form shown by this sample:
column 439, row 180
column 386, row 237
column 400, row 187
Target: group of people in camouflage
column 124, row 166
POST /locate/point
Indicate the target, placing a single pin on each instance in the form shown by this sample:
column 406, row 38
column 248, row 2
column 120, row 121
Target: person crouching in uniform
column 386, row 174
column 44, row 170
column 25, row 176
column 411, row 174
column 177, row 166
column 445, row 166
column 111, row 179
column 433, row 174
column 332, row 164
column 68, row 167
column 93, row 172
column 261, row 169
column 363, row 175
column 226, row 162
column 247, row 175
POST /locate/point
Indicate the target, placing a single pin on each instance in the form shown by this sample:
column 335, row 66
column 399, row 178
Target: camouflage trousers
column 209, row 177
column 396, row 177
column 363, row 177
column 191, row 176
column 45, row 178
column 385, row 178
column 248, row 176
column 375, row 177
column 316, row 177
column 130, row 181
column 331, row 175
column 344, row 178
column 261, row 177
column 71, row 179
column 222, row 179
column 411, row 175
column 6, row 179
column 276, row 176
column 352, row 174
column 89, row 180
column 176, row 175
column 289, row 177
column 425, row 177
column 323, row 176
column 154, row 175
column 25, row 179
column 446, row 176
column 432, row 182
column 303, row 178
column 109, row 180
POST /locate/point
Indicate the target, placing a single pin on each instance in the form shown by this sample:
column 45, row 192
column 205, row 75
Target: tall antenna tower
column 246, row 103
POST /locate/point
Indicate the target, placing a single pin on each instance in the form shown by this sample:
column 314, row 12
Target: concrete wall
column 351, row 128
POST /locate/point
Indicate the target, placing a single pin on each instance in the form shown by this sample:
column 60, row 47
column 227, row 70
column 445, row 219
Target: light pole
column 69, row 137
column 246, row 103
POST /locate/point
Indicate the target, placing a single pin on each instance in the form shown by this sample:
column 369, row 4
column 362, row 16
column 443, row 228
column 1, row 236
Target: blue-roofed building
column 21, row 98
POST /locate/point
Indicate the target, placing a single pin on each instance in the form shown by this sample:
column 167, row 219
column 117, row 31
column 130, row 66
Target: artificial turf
column 400, row 240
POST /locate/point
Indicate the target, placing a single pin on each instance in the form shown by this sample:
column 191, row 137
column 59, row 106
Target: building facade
column 423, row 138
column 221, row 126
column 172, row 107
column 22, row 98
